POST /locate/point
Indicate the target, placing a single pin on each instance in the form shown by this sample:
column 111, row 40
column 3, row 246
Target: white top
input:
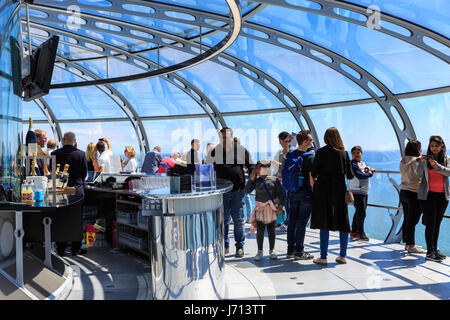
column 105, row 160
column 131, row 165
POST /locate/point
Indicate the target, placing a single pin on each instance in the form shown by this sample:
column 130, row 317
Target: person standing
column 104, row 160
column 152, row 160
column 91, row 157
column 41, row 136
column 359, row 186
column 229, row 159
column 192, row 157
column 131, row 165
column 329, row 209
column 300, row 199
column 284, row 138
column 269, row 201
column 434, row 193
column 76, row 159
column 408, row 195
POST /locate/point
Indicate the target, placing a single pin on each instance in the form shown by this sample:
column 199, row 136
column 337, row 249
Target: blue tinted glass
column 30, row 109
column 432, row 14
column 91, row 132
column 157, row 97
column 310, row 81
column 259, row 133
column 176, row 135
column 427, row 114
column 397, row 68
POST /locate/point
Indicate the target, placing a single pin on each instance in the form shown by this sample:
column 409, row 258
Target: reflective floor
column 373, row 271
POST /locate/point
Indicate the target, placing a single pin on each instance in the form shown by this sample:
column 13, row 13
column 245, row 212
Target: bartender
column 76, row 159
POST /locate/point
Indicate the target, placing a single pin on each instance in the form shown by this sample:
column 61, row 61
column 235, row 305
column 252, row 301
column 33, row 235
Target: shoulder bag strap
column 267, row 191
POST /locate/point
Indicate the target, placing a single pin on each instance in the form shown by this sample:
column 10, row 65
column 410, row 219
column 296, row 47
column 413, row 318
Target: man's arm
column 107, row 142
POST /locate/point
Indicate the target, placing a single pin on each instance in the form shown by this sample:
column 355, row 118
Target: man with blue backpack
column 296, row 179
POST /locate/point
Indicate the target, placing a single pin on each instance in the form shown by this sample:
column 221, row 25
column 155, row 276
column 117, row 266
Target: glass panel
column 396, row 67
column 176, row 135
column 259, row 133
column 30, row 109
column 427, row 115
column 80, row 103
column 157, row 97
column 310, row 81
column 119, row 133
column 430, row 14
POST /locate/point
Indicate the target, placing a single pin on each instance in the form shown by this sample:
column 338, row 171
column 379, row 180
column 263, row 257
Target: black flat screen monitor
column 37, row 83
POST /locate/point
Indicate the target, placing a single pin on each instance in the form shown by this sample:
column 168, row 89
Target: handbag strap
column 267, row 191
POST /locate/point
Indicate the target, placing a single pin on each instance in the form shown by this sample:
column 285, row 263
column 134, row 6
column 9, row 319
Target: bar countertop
column 52, row 201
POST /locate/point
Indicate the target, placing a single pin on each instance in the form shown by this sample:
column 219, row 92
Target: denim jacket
column 422, row 172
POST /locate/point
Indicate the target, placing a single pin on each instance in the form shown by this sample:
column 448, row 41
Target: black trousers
column 360, row 213
column 411, row 215
column 260, row 228
column 433, row 213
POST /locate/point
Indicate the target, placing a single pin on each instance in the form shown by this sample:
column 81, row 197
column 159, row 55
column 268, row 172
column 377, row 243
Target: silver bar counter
column 185, row 240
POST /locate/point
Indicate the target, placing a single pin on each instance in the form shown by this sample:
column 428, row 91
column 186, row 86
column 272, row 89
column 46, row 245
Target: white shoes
column 259, row 255
column 272, row 255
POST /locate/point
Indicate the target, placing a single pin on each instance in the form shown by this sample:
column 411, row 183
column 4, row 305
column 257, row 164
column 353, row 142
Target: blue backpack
column 292, row 168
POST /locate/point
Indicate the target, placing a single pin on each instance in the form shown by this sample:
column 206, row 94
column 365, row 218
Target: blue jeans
column 248, row 206
column 300, row 205
column 325, row 235
column 232, row 207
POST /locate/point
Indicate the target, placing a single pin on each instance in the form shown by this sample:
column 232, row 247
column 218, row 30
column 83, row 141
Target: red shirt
column 435, row 181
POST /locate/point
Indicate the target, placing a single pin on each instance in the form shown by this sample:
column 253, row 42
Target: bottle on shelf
column 66, row 168
column 24, row 191
column 33, row 165
column 31, row 139
column 57, row 170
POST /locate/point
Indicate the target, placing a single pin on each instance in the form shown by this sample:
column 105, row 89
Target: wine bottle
column 31, row 139
column 66, row 167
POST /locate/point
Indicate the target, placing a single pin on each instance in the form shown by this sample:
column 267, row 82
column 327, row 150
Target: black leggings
column 411, row 215
column 433, row 213
column 260, row 227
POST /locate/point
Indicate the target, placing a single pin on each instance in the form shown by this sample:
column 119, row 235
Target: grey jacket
column 422, row 172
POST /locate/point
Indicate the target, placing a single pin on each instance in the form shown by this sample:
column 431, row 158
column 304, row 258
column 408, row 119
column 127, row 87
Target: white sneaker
column 273, row 255
column 259, row 255
column 282, row 228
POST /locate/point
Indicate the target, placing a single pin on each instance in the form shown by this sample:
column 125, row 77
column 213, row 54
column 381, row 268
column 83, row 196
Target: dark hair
column 283, row 135
column 413, row 148
column 302, row 136
column 356, row 148
column 194, row 140
column 441, row 158
column 263, row 164
column 225, row 129
column 333, row 139
column 100, row 146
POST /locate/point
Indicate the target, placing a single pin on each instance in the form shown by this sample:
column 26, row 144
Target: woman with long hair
column 434, row 192
column 408, row 195
column 329, row 209
column 131, row 165
column 91, row 157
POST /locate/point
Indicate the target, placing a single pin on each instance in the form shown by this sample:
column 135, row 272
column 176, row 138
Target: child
column 359, row 186
column 268, row 203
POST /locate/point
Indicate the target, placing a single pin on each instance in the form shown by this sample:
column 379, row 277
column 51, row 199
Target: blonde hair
column 91, row 152
column 131, row 151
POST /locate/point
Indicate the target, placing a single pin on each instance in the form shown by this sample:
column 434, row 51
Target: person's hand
column 279, row 209
column 432, row 162
column 253, row 175
column 105, row 139
column 423, row 158
column 373, row 170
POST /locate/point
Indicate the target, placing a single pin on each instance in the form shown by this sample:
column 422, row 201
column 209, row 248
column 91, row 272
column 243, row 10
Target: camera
column 101, row 139
column 430, row 157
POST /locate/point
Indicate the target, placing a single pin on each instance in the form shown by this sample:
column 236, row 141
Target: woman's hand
column 432, row 162
column 423, row 158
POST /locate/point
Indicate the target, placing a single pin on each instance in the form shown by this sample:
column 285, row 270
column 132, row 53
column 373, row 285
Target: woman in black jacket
column 329, row 210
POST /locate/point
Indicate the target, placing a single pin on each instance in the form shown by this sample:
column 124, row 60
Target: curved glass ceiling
column 291, row 60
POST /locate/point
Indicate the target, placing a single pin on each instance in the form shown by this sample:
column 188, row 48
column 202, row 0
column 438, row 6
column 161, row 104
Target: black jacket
column 77, row 162
column 329, row 210
column 230, row 164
